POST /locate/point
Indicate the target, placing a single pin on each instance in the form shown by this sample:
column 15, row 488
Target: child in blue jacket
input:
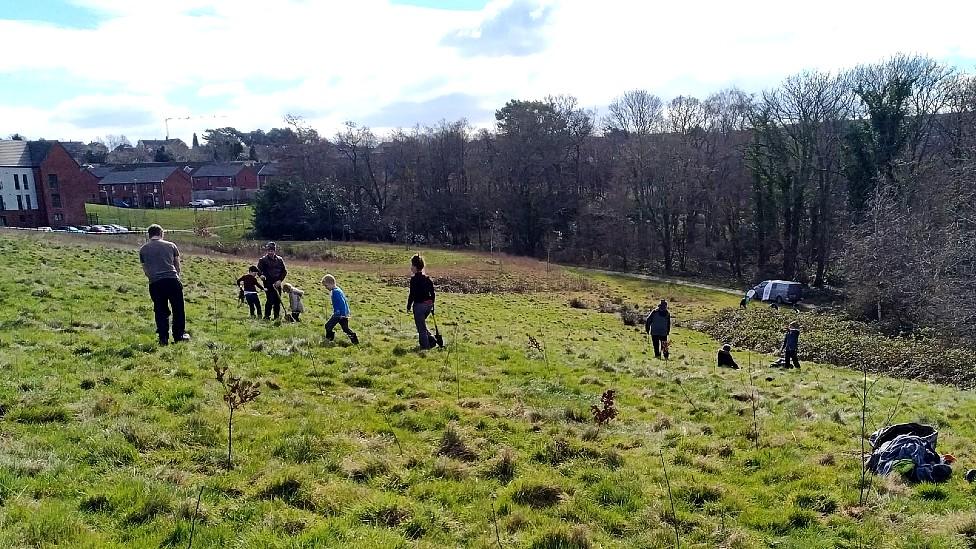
column 340, row 311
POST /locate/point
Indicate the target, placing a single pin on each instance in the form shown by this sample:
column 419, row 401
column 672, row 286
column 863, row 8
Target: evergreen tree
column 196, row 142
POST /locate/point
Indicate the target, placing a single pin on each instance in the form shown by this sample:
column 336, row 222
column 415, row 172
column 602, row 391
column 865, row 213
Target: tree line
column 862, row 180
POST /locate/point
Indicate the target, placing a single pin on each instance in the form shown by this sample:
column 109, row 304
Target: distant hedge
column 829, row 339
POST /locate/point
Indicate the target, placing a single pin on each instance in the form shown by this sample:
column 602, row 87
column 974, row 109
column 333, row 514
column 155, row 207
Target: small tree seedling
column 603, row 415
column 238, row 392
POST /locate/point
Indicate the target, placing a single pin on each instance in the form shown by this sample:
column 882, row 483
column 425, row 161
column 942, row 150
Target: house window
column 2, row 205
column 16, row 182
column 20, row 202
column 56, row 200
column 29, row 207
column 25, row 182
column 3, row 221
column 59, row 218
column 52, row 180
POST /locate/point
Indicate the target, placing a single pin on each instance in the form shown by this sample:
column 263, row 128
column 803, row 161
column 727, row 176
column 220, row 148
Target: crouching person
column 295, row 305
column 725, row 359
column 340, row 311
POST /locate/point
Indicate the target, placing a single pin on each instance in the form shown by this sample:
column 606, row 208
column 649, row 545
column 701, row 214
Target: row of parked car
column 87, row 229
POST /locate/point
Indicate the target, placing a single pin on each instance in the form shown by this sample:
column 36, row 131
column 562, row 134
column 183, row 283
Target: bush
column 563, row 539
column 536, row 494
column 830, row 339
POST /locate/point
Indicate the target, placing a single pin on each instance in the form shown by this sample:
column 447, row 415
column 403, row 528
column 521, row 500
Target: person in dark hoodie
column 658, row 324
column 421, row 301
column 725, row 359
column 273, row 270
column 791, row 346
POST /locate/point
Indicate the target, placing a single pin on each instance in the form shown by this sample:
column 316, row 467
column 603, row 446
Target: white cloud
column 250, row 61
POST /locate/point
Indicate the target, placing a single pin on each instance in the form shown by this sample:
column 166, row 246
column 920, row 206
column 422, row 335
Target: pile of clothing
column 908, row 449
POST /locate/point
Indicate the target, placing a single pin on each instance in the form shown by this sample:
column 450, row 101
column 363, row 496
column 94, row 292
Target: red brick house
column 146, row 187
column 218, row 176
column 42, row 185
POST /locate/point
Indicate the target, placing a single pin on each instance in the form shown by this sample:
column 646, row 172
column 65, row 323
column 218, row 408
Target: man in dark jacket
column 725, row 359
column 791, row 346
column 273, row 270
column 658, row 324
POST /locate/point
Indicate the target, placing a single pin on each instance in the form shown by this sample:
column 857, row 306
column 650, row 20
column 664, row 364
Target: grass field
column 226, row 223
column 106, row 440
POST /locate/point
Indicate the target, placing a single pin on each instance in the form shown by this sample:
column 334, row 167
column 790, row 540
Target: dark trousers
column 659, row 342
column 788, row 354
column 272, row 302
column 420, row 313
column 343, row 322
column 253, row 303
column 168, row 293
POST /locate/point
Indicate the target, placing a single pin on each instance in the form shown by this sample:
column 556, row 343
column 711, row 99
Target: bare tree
column 113, row 142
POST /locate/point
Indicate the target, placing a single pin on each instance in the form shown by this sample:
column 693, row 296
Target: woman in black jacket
column 421, row 300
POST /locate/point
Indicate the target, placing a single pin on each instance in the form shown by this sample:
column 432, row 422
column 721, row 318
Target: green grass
column 106, row 438
column 230, row 223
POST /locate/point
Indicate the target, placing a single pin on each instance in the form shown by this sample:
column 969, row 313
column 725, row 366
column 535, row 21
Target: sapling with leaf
column 540, row 348
column 238, row 392
column 603, row 415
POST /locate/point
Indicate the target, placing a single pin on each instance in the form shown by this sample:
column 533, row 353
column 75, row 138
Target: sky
column 83, row 69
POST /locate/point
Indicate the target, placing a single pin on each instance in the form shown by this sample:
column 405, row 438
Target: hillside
column 107, row 439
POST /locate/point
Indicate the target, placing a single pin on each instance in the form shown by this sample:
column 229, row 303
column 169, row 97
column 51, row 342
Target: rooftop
column 219, row 170
column 155, row 174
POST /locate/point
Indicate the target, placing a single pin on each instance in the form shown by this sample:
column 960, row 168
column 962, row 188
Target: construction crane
column 214, row 116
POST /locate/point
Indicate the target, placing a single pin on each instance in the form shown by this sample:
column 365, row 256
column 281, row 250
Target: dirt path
column 665, row 280
column 677, row 282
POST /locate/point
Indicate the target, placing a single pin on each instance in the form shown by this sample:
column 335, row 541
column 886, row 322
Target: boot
column 354, row 338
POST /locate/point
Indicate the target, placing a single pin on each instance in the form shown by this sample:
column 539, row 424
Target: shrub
column 631, row 315
column 44, row 413
column 830, row 339
column 537, row 494
column 289, row 488
column 503, row 468
column 563, row 538
column 578, row 303
column 453, row 445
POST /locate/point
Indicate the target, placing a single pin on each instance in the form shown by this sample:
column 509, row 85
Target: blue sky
column 89, row 68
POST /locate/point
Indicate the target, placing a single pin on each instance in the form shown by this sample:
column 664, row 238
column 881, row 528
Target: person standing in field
column 658, row 325
column 161, row 262
column 791, row 346
column 421, row 301
column 272, row 268
column 249, row 285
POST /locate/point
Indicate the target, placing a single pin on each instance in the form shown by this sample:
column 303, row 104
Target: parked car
column 45, row 229
column 68, row 229
column 201, row 203
column 97, row 229
column 778, row 291
column 118, row 228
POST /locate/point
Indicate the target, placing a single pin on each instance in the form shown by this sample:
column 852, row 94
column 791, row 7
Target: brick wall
column 177, row 190
column 75, row 187
column 247, row 178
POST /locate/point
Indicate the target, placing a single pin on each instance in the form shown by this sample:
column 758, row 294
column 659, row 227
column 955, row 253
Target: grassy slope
column 105, row 439
column 175, row 218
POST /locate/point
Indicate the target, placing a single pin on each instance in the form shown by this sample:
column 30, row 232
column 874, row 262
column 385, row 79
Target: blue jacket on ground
column 792, row 340
column 340, row 307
